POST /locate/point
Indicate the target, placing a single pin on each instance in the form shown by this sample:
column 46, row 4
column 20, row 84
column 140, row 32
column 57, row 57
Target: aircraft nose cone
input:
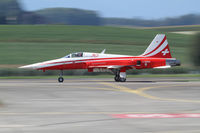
column 32, row 66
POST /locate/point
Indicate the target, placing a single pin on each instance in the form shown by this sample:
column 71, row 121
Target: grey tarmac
column 88, row 105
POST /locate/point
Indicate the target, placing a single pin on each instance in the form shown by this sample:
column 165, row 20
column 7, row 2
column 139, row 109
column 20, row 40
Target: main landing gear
column 120, row 76
column 61, row 79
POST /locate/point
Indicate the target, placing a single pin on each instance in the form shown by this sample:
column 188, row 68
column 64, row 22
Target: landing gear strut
column 61, row 79
column 120, row 76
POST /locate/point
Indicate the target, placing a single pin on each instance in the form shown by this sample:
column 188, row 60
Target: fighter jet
column 157, row 55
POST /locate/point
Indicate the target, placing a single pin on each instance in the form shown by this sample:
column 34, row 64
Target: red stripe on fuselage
column 95, row 59
column 107, row 61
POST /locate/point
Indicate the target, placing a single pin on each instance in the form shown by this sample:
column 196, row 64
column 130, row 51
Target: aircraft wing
column 162, row 67
column 112, row 67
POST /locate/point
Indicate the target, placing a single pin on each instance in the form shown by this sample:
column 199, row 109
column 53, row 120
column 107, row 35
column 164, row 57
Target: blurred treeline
column 190, row 19
column 11, row 12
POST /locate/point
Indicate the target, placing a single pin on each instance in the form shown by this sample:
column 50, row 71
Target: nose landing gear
column 61, row 79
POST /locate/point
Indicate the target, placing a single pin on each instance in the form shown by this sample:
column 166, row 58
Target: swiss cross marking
column 165, row 52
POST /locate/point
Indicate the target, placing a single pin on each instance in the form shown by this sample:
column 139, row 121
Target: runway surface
column 141, row 105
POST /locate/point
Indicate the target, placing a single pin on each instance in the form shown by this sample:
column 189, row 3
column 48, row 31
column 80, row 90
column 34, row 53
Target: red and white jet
column 157, row 55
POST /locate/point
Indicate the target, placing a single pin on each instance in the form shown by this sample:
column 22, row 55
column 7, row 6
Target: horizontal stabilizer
column 162, row 67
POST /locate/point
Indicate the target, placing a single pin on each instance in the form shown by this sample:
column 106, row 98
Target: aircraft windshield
column 75, row 55
column 68, row 56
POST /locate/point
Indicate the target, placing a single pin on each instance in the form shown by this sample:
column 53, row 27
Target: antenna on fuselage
column 103, row 52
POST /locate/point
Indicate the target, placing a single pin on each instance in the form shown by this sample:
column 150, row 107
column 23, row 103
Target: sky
column 145, row 9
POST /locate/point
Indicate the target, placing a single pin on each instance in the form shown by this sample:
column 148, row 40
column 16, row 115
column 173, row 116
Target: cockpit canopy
column 90, row 55
column 75, row 55
column 82, row 54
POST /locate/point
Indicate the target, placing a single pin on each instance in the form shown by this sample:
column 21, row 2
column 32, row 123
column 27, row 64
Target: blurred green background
column 26, row 44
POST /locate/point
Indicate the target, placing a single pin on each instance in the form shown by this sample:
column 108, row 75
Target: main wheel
column 122, row 79
column 117, row 78
column 60, row 79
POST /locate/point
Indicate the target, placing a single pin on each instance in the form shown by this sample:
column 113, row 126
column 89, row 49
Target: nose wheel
column 61, row 79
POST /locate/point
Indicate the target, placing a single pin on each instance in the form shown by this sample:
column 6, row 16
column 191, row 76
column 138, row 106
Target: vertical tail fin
column 158, row 48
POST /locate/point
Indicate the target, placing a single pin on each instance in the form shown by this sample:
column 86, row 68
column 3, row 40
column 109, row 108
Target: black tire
column 122, row 79
column 117, row 78
column 60, row 79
